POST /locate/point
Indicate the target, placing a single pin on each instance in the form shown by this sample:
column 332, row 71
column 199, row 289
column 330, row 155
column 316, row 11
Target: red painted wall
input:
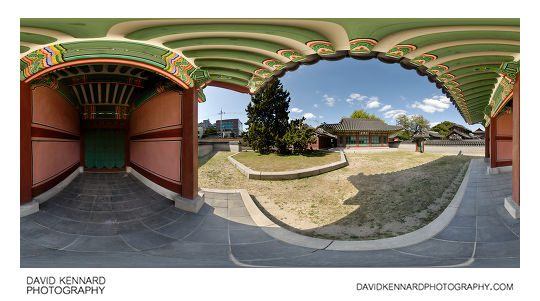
column 504, row 125
column 161, row 157
column 51, row 109
column 52, row 157
column 504, row 130
column 55, row 138
column 504, row 150
column 163, row 110
column 155, row 132
column 314, row 145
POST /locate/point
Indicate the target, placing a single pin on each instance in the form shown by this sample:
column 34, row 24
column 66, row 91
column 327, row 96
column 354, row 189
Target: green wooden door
column 104, row 148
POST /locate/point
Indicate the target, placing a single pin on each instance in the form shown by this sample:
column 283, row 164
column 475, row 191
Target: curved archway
column 162, row 61
column 107, row 61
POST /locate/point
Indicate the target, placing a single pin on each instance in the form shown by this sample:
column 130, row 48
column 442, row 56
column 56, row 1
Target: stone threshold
column 291, row 174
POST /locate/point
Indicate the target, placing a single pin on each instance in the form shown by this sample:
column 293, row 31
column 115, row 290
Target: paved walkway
column 112, row 220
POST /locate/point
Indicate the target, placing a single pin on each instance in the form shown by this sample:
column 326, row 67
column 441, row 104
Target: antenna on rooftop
column 221, row 123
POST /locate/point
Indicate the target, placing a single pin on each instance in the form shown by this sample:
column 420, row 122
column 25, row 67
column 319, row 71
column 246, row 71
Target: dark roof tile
column 356, row 124
column 320, row 131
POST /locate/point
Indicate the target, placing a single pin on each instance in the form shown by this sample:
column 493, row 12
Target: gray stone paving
column 113, row 220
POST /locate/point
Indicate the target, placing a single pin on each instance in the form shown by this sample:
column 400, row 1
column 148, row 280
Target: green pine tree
column 268, row 119
column 299, row 136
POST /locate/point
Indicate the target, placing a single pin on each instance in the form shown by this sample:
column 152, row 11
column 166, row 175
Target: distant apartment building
column 230, row 128
column 206, row 124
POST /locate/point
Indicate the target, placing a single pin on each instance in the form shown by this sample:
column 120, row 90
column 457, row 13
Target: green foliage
column 419, row 123
column 404, row 135
column 299, row 136
column 268, row 123
column 361, row 114
column 210, row 132
column 443, row 128
column 268, row 119
column 411, row 125
column 404, row 121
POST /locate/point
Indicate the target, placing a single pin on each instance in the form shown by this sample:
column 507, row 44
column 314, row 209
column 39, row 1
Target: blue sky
column 329, row 90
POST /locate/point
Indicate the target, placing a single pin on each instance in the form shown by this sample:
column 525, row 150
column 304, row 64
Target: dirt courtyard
column 378, row 195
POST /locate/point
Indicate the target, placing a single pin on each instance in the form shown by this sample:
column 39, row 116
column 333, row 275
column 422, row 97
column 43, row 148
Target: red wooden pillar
column 190, row 149
column 486, row 141
column 493, row 142
column 515, row 142
column 26, row 143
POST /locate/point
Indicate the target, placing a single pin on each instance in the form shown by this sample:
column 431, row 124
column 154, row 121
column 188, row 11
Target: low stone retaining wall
column 469, row 142
column 468, row 150
column 291, row 174
column 206, row 147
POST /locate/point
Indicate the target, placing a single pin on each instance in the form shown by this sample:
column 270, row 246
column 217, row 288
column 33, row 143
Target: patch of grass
column 275, row 162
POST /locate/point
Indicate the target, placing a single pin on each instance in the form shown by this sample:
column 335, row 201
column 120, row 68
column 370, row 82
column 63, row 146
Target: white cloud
column 355, row 96
column 386, row 107
column 373, row 103
column 434, row 104
column 374, row 98
column 330, row 101
column 394, row 113
column 432, row 124
column 321, row 116
column 309, row 116
column 316, row 105
column 296, row 110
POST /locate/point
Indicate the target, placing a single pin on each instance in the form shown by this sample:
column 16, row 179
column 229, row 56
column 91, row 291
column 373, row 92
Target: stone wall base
column 498, row 170
column 511, row 207
column 29, row 208
column 33, row 206
column 188, row 204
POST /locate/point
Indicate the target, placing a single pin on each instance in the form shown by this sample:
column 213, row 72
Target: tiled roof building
column 356, row 132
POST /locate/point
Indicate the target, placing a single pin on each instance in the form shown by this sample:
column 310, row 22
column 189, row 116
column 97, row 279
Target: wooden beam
column 99, row 92
column 107, row 88
column 113, row 99
column 132, row 88
column 92, row 98
column 77, row 94
column 84, row 95
column 122, row 94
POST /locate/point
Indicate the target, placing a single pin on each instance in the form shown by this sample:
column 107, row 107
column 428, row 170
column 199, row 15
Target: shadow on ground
column 202, row 160
column 393, row 203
